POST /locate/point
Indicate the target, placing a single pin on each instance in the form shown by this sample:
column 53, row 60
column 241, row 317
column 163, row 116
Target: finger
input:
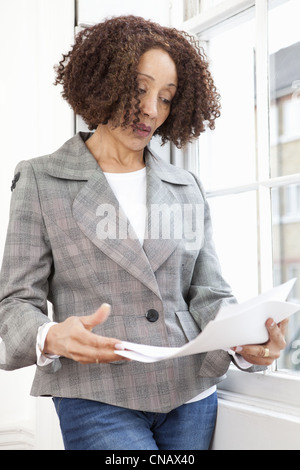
column 283, row 326
column 103, row 351
column 256, row 355
column 252, row 351
column 100, row 316
column 92, row 356
column 275, row 334
column 91, row 348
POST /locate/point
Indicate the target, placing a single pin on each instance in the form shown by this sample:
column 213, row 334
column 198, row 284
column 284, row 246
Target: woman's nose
column 149, row 107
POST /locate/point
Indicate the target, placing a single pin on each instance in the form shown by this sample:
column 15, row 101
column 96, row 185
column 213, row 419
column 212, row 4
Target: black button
column 14, row 181
column 152, row 315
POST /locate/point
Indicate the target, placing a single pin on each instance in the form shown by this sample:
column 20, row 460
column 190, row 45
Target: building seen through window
column 285, row 161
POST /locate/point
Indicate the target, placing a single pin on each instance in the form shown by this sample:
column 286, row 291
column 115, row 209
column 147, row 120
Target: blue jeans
column 90, row 425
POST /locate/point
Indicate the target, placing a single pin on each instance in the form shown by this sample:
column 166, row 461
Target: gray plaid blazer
column 162, row 293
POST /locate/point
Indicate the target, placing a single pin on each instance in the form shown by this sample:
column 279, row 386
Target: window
column 250, row 165
column 229, row 156
column 191, row 8
column 194, row 7
column 284, row 48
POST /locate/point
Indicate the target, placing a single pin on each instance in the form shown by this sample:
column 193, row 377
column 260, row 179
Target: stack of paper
column 235, row 325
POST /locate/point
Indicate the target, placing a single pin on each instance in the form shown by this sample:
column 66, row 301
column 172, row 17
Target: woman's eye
column 141, row 91
column 166, row 101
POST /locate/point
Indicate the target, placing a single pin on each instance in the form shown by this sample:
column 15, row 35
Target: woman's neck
column 110, row 153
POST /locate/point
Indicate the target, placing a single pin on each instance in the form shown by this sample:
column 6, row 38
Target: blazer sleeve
column 26, row 267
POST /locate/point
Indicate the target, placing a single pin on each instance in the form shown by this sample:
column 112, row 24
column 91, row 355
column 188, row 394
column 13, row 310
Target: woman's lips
column 142, row 130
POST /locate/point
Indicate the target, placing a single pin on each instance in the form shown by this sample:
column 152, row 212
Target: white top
column 130, row 190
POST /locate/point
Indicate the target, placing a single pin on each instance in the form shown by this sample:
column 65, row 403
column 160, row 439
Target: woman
column 85, row 233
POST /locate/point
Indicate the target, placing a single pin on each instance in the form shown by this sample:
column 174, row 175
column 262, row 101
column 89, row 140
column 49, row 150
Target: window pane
column 286, row 253
column 191, row 8
column 284, row 44
column 235, row 233
column 228, row 153
column 209, row 4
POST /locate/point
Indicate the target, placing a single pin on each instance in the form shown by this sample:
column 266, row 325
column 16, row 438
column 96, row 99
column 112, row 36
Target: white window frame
column 275, row 390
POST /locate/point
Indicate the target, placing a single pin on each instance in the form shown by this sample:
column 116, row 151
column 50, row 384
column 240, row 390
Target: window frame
column 274, row 388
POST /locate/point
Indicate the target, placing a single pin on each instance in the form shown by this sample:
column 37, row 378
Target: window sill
column 278, row 392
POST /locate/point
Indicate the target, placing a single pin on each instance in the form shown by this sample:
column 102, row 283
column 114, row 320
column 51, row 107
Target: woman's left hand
column 266, row 354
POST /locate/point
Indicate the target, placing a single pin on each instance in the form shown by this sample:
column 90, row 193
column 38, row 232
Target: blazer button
column 152, row 315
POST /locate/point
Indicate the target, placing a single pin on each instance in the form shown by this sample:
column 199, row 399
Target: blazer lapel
column 159, row 243
column 164, row 225
column 73, row 161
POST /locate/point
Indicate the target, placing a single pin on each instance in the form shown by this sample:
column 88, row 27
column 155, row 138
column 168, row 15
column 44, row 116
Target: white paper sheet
column 235, row 325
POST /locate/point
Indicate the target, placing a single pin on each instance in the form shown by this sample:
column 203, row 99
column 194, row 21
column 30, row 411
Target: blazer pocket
column 114, row 327
column 51, row 368
column 215, row 364
column 188, row 324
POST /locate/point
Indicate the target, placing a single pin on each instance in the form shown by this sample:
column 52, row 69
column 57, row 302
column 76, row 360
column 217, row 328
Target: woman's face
column 157, row 85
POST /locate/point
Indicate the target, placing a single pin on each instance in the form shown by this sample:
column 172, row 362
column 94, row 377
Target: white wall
column 34, row 121
column 92, row 11
column 34, row 118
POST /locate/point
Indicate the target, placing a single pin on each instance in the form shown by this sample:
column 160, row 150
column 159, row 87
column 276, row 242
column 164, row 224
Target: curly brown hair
column 99, row 77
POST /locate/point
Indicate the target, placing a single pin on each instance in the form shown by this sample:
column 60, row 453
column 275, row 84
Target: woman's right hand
column 73, row 338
